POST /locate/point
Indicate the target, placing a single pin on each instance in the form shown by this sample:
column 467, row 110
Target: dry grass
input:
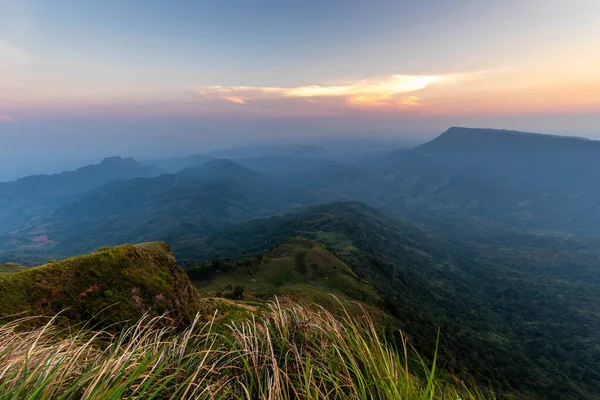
column 287, row 352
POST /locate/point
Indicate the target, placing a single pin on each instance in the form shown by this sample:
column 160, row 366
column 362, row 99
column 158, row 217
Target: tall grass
column 286, row 352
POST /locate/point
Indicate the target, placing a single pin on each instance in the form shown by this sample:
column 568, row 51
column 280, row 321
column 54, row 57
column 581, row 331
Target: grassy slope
column 298, row 268
column 120, row 283
column 276, row 350
column 9, row 268
column 517, row 314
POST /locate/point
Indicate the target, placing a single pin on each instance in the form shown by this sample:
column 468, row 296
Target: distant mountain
column 177, row 164
column 285, row 166
column 283, row 150
column 80, row 180
column 565, row 162
column 525, row 180
column 30, row 197
column 502, row 142
column 319, row 148
column 517, row 311
column 172, row 208
column 222, row 169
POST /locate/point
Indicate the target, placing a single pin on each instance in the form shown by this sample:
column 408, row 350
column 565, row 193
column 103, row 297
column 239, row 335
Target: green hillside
column 9, row 268
column 111, row 285
column 298, row 268
column 516, row 312
column 281, row 349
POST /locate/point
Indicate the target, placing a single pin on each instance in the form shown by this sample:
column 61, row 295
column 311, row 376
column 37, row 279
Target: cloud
column 386, row 92
column 236, row 100
column 376, row 88
column 5, row 118
column 384, row 102
column 237, row 94
column 11, row 55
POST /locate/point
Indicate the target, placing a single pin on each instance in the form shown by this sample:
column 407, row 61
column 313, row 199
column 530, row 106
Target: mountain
column 568, row 164
column 284, row 150
column 337, row 149
column 525, row 180
column 30, row 197
column 194, row 203
column 501, row 143
column 222, row 169
column 285, row 166
column 517, row 311
column 497, row 246
column 281, row 349
column 111, row 285
column 299, row 268
column 80, row 180
column 178, row 164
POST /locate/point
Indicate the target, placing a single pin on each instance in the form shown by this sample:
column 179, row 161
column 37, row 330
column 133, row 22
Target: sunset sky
column 82, row 79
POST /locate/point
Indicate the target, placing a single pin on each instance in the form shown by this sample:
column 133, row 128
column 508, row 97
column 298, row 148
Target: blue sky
column 83, row 79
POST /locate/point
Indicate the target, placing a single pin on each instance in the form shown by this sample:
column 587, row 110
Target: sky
column 80, row 80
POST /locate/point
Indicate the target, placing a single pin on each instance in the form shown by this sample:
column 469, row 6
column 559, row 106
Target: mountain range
column 490, row 236
column 521, row 179
column 33, row 196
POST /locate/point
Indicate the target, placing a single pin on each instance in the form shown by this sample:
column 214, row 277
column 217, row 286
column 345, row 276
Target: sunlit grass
column 286, row 352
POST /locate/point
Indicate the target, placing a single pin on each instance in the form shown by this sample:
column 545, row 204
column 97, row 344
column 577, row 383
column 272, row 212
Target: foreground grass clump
column 286, row 352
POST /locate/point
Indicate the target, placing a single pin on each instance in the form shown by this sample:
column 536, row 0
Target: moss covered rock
column 112, row 285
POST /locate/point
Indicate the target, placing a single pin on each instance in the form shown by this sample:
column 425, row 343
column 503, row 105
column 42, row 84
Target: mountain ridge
column 29, row 197
column 491, row 301
column 114, row 161
column 529, row 181
column 507, row 141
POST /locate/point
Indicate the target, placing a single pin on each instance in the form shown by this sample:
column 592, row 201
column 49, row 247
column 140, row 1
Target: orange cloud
column 384, row 91
column 235, row 99
column 382, row 88
column 365, row 101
